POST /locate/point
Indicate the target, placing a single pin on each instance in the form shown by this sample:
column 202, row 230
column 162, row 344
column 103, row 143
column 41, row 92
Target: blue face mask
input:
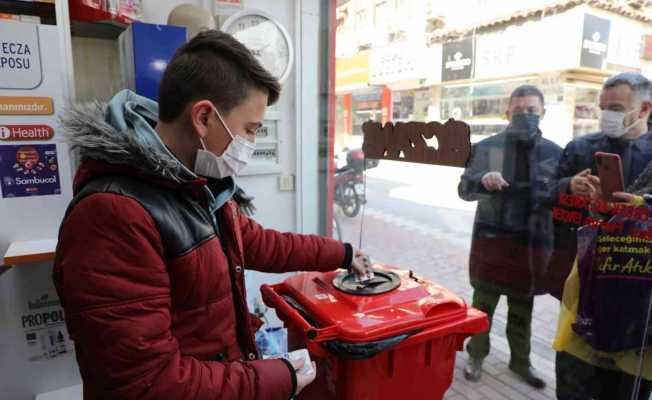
column 525, row 125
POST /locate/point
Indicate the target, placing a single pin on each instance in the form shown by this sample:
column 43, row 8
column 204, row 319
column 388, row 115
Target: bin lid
column 382, row 282
column 416, row 304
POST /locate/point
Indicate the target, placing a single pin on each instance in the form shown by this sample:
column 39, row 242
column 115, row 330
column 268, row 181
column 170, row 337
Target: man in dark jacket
column 510, row 175
column 152, row 252
column 626, row 104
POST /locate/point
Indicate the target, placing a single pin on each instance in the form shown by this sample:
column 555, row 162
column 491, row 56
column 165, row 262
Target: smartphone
column 610, row 171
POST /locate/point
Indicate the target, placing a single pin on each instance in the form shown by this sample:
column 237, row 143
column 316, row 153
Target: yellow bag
column 568, row 311
column 567, row 341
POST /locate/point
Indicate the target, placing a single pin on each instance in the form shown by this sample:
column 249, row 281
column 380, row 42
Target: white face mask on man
column 235, row 157
column 612, row 123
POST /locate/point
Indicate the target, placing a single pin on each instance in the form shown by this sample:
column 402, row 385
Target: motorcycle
column 349, row 182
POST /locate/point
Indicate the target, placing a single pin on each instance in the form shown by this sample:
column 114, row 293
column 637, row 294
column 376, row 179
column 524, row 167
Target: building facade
column 434, row 62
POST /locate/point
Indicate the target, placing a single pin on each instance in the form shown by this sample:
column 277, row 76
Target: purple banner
column 31, row 170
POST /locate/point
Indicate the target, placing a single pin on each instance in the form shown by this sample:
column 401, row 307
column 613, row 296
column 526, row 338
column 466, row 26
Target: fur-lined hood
column 120, row 135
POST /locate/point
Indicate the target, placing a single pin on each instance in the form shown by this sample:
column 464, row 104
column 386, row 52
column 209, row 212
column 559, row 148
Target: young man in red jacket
column 152, row 251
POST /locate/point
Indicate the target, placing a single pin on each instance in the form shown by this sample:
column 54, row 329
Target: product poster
column 20, row 56
column 44, row 329
column 29, row 170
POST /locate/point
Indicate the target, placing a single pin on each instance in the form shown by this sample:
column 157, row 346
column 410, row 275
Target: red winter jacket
column 155, row 299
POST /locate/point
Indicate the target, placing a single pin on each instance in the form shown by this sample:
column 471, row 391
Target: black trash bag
column 362, row 351
column 347, row 350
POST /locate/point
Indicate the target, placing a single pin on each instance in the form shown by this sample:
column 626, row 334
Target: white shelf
column 30, row 251
column 69, row 393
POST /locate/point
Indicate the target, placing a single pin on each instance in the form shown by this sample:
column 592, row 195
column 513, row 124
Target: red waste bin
column 393, row 338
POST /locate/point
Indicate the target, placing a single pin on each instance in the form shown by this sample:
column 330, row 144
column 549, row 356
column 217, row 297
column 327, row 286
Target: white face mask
column 611, row 123
column 235, row 157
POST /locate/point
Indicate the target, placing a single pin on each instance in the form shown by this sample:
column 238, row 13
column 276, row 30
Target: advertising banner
column 30, row 170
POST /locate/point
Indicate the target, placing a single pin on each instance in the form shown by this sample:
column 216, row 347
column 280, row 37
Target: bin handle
column 272, row 299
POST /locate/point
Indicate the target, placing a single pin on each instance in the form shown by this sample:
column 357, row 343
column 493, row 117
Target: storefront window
column 403, row 105
column 367, row 106
column 587, row 111
column 507, row 232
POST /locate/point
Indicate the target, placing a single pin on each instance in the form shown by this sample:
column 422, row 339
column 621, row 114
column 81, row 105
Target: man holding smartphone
column 626, row 104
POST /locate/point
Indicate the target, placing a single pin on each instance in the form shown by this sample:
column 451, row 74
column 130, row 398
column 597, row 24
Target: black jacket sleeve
column 568, row 167
column 470, row 187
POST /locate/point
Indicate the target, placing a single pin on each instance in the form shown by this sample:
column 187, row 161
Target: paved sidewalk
column 441, row 255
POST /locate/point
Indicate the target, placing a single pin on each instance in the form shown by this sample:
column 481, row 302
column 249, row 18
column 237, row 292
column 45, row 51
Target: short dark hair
column 639, row 84
column 527, row 90
column 214, row 66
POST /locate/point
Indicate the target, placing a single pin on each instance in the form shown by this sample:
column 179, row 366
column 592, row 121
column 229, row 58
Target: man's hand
column 494, row 182
column 303, row 380
column 625, row 197
column 361, row 264
column 597, row 186
column 580, row 184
